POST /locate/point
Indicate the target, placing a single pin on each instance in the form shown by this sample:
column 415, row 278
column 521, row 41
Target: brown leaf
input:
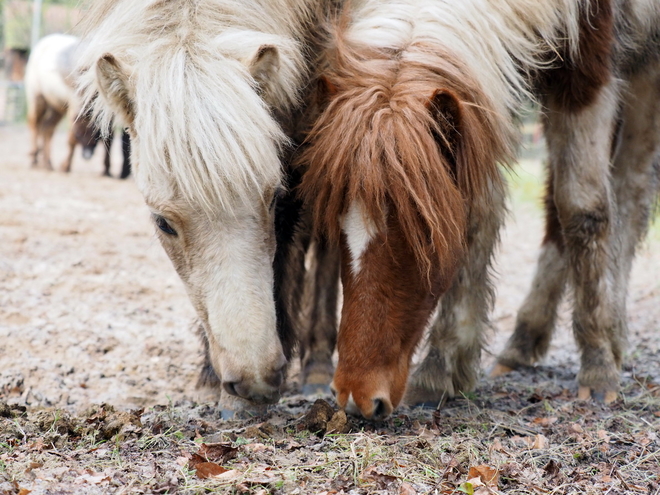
column 316, row 419
column 209, row 470
column 24, row 491
column 489, row 476
column 406, row 489
column 544, row 421
column 552, row 469
column 373, row 475
column 540, row 442
column 338, row 423
column 217, row 452
column 576, row 428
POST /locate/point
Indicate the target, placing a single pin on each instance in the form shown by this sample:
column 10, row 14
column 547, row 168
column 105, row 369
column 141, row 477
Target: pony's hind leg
column 458, row 331
column 634, row 176
column 580, row 148
column 537, row 316
column 318, row 335
column 66, row 165
column 51, row 118
column 37, row 107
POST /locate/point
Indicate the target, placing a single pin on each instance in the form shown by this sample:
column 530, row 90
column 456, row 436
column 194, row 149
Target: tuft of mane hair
column 405, row 135
column 194, row 99
column 422, row 105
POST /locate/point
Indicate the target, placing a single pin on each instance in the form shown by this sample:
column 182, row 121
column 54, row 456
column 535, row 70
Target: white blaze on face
column 359, row 231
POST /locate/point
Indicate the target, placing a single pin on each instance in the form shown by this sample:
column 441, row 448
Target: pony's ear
column 445, row 110
column 113, row 86
column 264, row 64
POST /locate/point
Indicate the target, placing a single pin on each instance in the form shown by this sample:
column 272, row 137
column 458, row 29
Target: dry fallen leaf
column 576, row 428
column 489, row 476
column 217, row 452
column 540, row 442
column 552, row 469
column 209, row 470
column 406, row 489
column 545, row 421
column 373, row 475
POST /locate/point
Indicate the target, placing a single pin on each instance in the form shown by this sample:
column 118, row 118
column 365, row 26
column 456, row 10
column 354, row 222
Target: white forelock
column 202, row 122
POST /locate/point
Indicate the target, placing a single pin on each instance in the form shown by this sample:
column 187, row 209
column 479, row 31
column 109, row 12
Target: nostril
column 382, row 409
column 276, row 379
column 230, row 388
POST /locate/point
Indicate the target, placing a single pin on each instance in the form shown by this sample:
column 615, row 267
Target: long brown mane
column 406, row 133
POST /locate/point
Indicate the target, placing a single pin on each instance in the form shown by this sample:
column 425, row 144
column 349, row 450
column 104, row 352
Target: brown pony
column 422, row 104
column 400, row 161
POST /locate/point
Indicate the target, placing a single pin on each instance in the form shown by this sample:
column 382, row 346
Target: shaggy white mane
column 498, row 41
column 202, row 123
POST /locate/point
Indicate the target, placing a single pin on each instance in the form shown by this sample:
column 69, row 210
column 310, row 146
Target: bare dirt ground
column 98, row 363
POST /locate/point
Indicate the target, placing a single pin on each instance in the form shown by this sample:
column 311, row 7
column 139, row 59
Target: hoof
column 499, row 370
column 426, row 398
column 316, row 389
column 606, row 396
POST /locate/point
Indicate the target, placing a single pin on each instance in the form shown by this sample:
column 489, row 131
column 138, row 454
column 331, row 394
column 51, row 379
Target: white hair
column 196, row 105
column 498, row 41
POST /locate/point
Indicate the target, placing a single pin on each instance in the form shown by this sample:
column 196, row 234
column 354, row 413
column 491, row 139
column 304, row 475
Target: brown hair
column 405, row 133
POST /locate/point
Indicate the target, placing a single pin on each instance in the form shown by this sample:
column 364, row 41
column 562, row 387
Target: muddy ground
column 98, row 362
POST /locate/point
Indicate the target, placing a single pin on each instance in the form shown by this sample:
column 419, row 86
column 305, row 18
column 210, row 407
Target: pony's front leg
column 107, row 146
column 126, row 152
column 457, row 333
column 537, row 316
column 66, row 164
column 318, row 337
column 580, row 146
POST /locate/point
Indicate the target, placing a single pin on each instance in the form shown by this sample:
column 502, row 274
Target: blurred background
column 22, row 24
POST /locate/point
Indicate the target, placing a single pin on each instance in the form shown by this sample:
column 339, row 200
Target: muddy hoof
column 603, row 396
column 316, row 389
column 499, row 370
column 232, row 407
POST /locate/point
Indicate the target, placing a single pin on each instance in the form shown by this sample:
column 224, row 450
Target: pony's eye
column 163, row 225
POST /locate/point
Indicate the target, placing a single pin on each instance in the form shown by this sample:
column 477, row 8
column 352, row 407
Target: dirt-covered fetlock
column 316, row 378
column 431, row 384
column 599, row 375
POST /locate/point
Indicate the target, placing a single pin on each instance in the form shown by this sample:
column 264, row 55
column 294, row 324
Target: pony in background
column 422, row 104
column 51, row 94
column 211, row 92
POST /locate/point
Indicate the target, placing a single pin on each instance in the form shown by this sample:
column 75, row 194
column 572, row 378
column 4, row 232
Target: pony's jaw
column 225, row 263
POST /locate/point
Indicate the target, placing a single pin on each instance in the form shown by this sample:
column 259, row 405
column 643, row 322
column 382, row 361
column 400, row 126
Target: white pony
column 198, row 83
column 51, row 94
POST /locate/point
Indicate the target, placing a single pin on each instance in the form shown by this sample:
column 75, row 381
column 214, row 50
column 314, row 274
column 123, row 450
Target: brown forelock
column 576, row 83
column 379, row 141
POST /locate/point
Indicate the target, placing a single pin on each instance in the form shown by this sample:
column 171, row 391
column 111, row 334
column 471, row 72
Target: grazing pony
column 51, row 94
column 211, row 91
column 422, row 103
